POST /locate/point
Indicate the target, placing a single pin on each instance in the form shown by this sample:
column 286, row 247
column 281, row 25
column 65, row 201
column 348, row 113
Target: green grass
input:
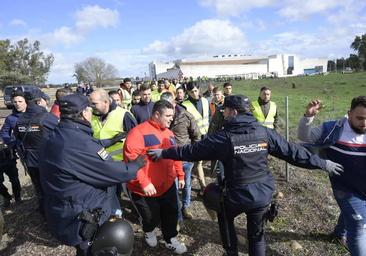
column 335, row 90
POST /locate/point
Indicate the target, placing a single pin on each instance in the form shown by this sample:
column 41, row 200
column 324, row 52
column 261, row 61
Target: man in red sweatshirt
column 154, row 189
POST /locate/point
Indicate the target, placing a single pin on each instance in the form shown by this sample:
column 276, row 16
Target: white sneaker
column 176, row 246
column 150, row 238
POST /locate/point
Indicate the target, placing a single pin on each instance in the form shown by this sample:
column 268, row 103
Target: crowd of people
column 144, row 141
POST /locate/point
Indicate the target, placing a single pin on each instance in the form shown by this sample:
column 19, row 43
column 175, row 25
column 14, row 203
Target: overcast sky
column 131, row 33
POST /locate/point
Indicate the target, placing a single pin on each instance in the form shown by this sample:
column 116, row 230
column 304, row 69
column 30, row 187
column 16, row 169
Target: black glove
column 140, row 161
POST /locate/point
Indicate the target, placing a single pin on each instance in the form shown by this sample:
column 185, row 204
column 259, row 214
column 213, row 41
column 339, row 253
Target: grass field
column 335, row 90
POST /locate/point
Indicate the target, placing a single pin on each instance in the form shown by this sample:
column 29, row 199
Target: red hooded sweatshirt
column 161, row 173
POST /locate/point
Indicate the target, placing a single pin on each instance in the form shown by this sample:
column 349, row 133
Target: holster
column 89, row 223
column 272, row 211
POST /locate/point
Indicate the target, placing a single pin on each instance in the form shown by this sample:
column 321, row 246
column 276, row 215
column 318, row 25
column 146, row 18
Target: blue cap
column 238, row 102
column 33, row 94
column 73, row 104
column 45, row 96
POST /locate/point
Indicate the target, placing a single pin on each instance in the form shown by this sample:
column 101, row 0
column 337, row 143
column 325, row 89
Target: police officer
column 34, row 124
column 78, row 176
column 243, row 147
column 8, row 156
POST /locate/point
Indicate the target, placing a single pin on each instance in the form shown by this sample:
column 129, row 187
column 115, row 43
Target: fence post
column 287, row 138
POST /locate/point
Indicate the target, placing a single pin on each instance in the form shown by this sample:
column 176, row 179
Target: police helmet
column 211, row 197
column 114, row 237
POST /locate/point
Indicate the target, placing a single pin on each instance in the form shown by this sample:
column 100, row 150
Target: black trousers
column 159, row 210
column 11, row 170
column 83, row 249
column 34, row 175
column 255, row 228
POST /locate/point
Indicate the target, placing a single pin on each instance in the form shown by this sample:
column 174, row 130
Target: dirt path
column 308, row 213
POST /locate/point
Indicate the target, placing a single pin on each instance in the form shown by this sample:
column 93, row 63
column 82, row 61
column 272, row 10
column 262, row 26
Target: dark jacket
column 7, row 130
column 184, row 127
column 33, row 125
column 218, row 146
column 198, row 105
column 142, row 111
column 77, row 174
column 217, row 120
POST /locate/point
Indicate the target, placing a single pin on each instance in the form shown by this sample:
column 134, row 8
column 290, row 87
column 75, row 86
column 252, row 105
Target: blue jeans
column 353, row 208
column 340, row 229
column 186, row 191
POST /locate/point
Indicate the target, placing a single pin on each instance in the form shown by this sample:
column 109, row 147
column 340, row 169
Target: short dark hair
column 265, row 88
column 61, row 93
column 136, row 93
column 227, row 84
column 17, row 93
column 126, row 80
column 144, row 87
column 358, row 101
column 191, row 85
column 110, row 93
column 180, row 88
column 161, row 105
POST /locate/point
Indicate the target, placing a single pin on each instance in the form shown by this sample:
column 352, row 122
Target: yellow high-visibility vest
column 202, row 121
column 112, row 126
column 126, row 98
column 155, row 95
column 258, row 114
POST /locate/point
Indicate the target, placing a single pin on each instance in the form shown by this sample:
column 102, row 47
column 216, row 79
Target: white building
column 249, row 67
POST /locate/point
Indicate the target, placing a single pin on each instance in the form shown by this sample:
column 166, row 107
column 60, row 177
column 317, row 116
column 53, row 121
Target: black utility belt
column 245, row 180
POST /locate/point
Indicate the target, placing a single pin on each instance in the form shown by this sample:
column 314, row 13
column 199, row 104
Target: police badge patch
column 103, row 154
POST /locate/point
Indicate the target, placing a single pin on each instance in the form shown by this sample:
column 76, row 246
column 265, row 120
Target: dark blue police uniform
column 77, row 174
column 8, row 157
column 243, row 147
column 32, row 125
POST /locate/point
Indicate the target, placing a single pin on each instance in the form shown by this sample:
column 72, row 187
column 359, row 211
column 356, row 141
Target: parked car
column 10, row 88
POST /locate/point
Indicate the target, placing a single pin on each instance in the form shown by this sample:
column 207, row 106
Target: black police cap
column 73, row 104
column 238, row 102
column 33, row 94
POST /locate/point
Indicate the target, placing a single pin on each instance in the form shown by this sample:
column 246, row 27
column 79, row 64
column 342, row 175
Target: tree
column 94, row 70
column 23, row 62
column 359, row 45
column 353, row 62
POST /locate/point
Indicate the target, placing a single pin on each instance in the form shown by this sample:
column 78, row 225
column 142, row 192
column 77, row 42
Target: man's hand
column 155, row 154
column 181, row 184
column 313, row 108
column 140, row 161
column 333, row 168
column 149, row 190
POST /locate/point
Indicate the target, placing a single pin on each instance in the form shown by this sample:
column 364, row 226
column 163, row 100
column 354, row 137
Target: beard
column 97, row 113
column 357, row 130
